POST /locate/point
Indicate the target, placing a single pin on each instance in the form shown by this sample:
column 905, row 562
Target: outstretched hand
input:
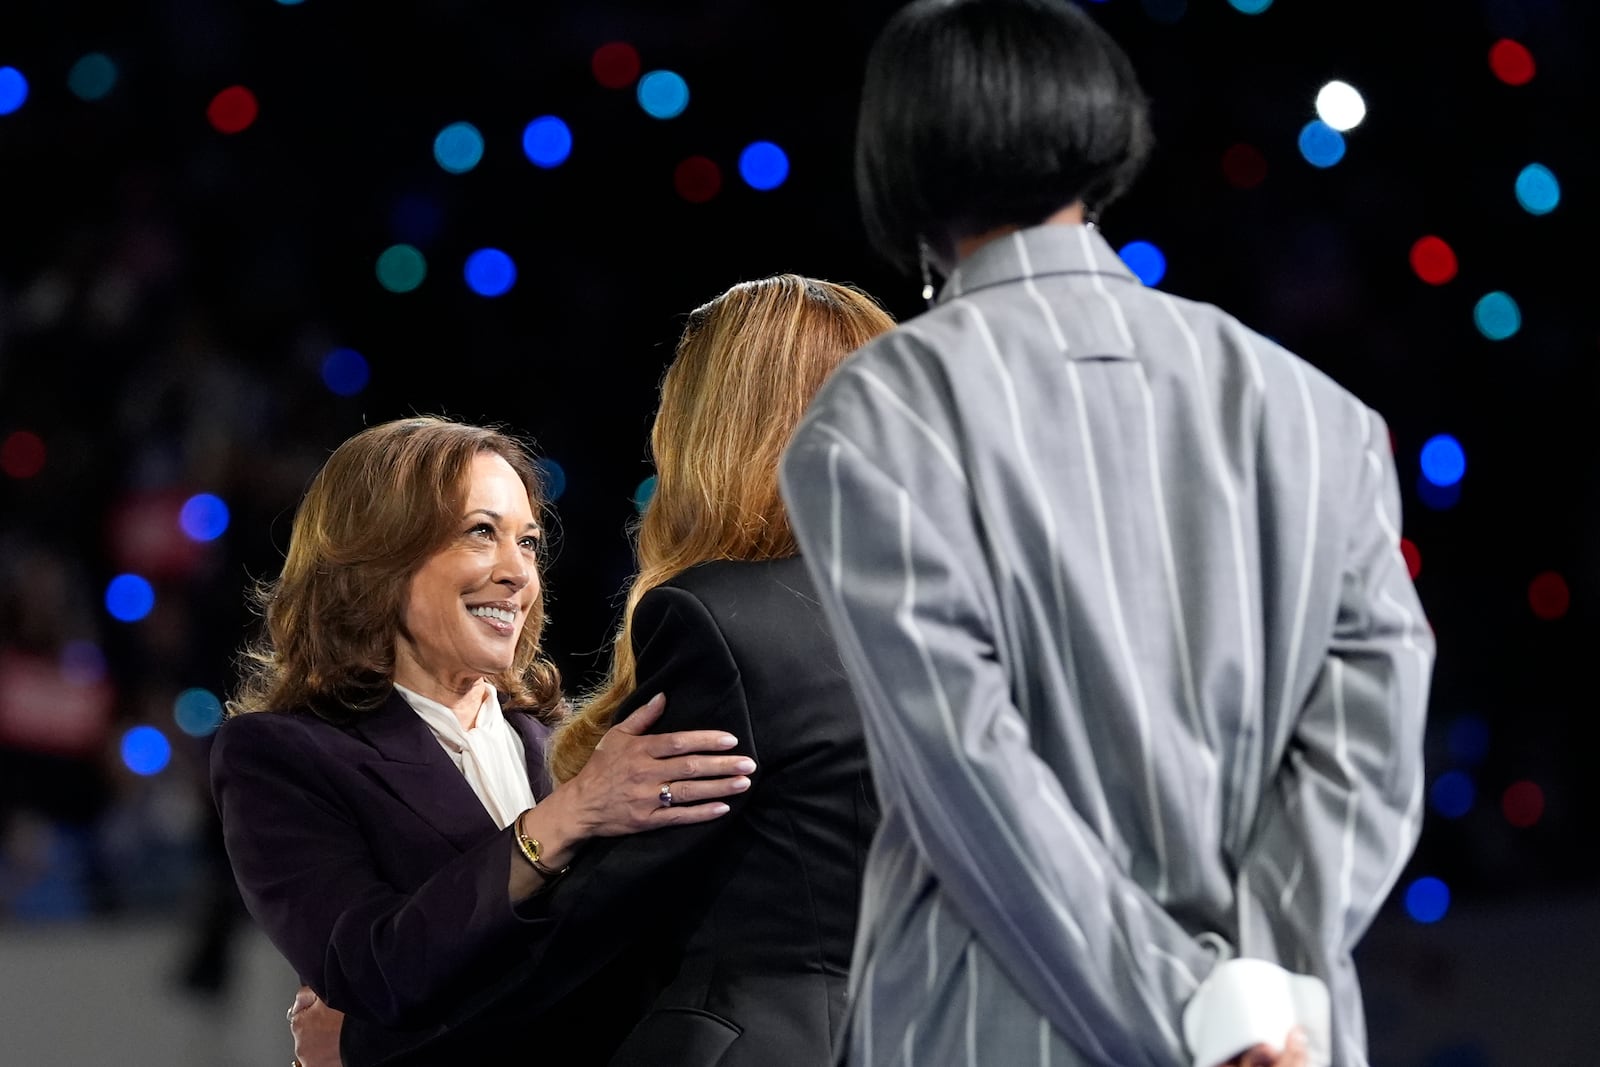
column 621, row 789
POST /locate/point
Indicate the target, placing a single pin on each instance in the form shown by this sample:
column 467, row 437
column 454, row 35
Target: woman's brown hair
column 746, row 368
column 384, row 502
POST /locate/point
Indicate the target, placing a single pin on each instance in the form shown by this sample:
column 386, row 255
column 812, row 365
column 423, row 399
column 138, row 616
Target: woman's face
column 467, row 604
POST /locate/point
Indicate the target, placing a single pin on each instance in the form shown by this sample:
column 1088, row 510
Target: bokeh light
column 1340, row 105
column 1549, row 596
column 203, row 517
column 697, row 179
column 1537, row 189
column 1453, row 794
column 1321, row 144
column 1433, row 260
column 22, row 454
column 82, row 663
column 401, row 268
column 198, row 712
column 663, row 94
column 1427, row 900
column 233, row 110
column 345, row 372
column 547, row 142
column 13, row 90
column 763, row 165
column 1250, row 7
column 146, row 750
column 458, row 147
column 129, row 597
column 642, row 495
column 1444, row 461
column 1413, row 556
column 1497, row 316
column 1511, row 62
column 92, row 77
column 1243, row 166
column 1146, row 261
column 615, row 65
column 1467, row 739
column 490, row 272
column 553, row 476
column 1522, row 804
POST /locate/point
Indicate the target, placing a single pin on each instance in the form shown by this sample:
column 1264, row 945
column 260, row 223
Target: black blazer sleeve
column 307, row 872
column 618, row 886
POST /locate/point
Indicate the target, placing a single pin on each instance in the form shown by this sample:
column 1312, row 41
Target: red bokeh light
column 233, row 110
column 1413, row 557
column 22, row 454
column 615, row 65
column 1511, row 63
column 697, row 179
column 1549, row 596
column 1433, row 260
column 1522, row 804
column 1244, row 167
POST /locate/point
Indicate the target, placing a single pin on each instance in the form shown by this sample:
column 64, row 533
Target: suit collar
column 1054, row 248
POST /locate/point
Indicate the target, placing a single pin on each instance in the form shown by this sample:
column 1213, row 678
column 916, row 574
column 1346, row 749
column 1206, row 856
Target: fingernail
column 744, row 766
column 720, row 808
column 741, row 783
column 658, row 698
column 727, row 741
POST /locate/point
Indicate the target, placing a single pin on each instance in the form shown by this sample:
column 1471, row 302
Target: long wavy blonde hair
column 747, row 366
column 385, row 501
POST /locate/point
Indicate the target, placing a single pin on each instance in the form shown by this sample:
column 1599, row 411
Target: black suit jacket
column 750, row 918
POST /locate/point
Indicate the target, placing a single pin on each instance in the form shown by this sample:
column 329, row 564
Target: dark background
column 168, row 294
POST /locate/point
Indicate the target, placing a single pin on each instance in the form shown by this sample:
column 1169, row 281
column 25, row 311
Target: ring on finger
column 666, row 794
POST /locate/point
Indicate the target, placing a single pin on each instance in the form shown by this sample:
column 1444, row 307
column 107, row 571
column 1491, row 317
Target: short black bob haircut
column 984, row 113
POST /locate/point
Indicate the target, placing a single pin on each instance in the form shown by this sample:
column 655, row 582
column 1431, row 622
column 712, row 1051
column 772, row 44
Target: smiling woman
column 381, row 777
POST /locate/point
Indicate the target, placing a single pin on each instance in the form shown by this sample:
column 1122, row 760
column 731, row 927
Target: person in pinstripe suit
column 1119, row 586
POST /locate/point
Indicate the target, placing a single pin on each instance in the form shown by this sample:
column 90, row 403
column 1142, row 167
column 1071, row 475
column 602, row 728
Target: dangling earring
column 925, row 258
column 1091, row 217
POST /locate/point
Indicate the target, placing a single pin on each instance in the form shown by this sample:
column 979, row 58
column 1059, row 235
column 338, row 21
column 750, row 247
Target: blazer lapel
column 535, row 739
column 411, row 763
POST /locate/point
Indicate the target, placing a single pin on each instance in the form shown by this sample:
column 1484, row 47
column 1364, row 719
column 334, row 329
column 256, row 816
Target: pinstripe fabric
column 1120, row 589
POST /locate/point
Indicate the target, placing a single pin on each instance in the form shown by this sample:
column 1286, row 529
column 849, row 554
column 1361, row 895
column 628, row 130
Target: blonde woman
column 752, row 917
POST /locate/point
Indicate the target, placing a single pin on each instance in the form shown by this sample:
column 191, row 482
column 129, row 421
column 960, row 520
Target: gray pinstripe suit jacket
column 1118, row 582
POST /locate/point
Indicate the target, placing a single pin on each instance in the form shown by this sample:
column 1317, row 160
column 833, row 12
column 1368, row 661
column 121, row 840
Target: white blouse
column 490, row 755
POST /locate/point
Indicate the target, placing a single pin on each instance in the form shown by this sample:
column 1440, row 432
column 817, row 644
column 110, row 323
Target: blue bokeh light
column 547, row 142
column 554, row 477
column 1250, row 7
column 1321, row 144
column 13, row 90
column 1453, row 794
column 146, row 750
column 643, row 494
column 198, row 712
column 204, row 517
column 1537, row 189
column 345, row 372
column 1497, row 316
column 763, row 165
column 1146, row 261
column 1444, row 462
column 663, row 94
column 490, row 272
column 129, row 597
column 459, row 147
column 1427, row 900
column 92, row 77
column 1468, row 740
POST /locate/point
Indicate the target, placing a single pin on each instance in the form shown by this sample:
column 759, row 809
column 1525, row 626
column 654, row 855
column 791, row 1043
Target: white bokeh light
column 1340, row 106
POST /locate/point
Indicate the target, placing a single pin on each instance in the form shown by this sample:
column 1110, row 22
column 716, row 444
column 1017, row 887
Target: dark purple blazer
column 369, row 862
